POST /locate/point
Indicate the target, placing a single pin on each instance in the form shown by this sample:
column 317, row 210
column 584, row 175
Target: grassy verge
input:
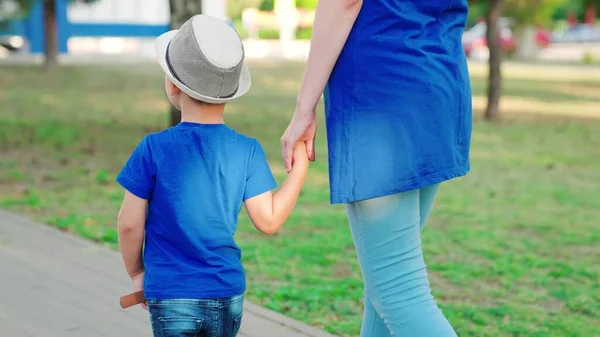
column 513, row 248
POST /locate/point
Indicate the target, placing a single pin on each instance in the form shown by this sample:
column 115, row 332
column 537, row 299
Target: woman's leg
column 386, row 234
column 372, row 324
column 426, row 198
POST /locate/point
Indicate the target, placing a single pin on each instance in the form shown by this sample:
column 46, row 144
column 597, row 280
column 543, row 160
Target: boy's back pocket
column 180, row 326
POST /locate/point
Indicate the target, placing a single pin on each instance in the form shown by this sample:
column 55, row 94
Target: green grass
column 513, row 249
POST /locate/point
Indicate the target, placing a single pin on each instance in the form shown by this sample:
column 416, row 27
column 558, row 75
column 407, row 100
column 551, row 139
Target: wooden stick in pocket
column 132, row 299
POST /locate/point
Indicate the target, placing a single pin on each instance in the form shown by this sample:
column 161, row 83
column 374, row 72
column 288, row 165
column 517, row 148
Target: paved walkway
column 53, row 284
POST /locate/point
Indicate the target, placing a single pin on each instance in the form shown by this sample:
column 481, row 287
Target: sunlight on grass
column 516, row 105
column 513, row 248
column 542, row 72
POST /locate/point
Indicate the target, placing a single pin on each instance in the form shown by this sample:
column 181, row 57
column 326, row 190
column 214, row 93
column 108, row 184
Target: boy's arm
column 269, row 211
column 131, row 226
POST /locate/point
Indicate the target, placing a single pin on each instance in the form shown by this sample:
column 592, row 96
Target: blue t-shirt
column 398, row 102
column 195, row 178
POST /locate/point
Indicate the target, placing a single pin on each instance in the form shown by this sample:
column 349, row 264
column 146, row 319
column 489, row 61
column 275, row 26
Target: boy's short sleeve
column 138, row 176
column 259, row 178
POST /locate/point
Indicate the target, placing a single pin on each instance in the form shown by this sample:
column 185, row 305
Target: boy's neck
column 194, row 112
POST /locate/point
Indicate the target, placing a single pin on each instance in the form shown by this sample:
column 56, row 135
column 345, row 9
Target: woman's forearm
column 333, row 22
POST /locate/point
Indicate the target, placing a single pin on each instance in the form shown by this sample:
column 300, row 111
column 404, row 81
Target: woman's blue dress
column 398, row 102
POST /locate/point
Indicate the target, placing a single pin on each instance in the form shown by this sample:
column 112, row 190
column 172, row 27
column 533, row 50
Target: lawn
column 513, row 248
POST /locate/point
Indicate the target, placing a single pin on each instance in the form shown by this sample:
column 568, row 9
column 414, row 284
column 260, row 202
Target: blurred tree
column 569, row 11
column 181, row 11
column 306, row 4
column 533, row 12
column 236, row 7
column 577, row 9
column 494, row 11
column 267, row 5
column 525, row 12
column 50, row 27
column 529, row 15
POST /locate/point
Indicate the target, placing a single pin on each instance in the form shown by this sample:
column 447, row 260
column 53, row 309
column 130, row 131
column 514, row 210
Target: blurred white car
column 8, row 39
column 580, row 34
column 12, row 42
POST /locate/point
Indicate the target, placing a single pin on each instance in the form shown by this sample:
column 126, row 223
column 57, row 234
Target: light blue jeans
column 387, row 237
column 219, row 317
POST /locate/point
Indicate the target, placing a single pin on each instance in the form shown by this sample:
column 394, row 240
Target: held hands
column 138, row 284
column 302, row 128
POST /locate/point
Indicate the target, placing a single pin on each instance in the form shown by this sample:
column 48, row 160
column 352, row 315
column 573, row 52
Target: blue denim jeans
column 387, row 237
column 220, row 317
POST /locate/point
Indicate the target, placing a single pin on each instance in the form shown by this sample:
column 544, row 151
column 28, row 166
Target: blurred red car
column 475, row 43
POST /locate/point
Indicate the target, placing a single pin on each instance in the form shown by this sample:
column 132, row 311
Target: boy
column 185, row 187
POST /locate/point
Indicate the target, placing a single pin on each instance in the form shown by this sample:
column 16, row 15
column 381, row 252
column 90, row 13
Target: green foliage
column 589, row 2
column 306, row 4
column 25, row 5
column 528, row 12
column 477, row 11
column 533, row 11
column 268, row 34
column 562, row 12
column 236, row 7
column 267, row 5
column 304, row 33
column 589, row 58
column 8, row 12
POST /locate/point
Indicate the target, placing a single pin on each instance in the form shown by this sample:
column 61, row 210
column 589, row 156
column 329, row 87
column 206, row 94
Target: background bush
column 235, row 7
column 268, row 5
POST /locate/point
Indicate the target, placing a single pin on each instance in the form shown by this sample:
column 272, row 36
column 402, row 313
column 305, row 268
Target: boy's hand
column 300, row 155
column 138, row 285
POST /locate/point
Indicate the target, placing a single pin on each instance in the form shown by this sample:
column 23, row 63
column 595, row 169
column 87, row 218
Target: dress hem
column 398, row 186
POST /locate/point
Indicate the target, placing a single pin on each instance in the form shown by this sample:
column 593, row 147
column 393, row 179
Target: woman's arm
column 333, row 22
column 269, row 211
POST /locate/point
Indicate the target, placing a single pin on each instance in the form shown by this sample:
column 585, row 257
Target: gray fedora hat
column 205, row 59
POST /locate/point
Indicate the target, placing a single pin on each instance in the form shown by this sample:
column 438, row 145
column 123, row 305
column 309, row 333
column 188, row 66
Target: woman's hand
column 332, row 25
column 302, row 128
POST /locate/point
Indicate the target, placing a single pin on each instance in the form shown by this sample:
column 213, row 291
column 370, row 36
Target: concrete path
column 53, row 284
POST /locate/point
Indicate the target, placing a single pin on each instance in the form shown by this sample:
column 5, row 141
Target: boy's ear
column 173, row 89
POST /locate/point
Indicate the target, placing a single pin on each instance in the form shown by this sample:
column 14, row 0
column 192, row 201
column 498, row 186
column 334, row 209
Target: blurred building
column 105, row 26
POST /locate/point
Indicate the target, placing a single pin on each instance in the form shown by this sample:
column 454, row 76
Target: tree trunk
column 181, row 11
column 495, row 76
column 50, row 36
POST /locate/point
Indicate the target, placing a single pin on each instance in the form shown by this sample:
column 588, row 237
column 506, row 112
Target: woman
column 398, row 115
